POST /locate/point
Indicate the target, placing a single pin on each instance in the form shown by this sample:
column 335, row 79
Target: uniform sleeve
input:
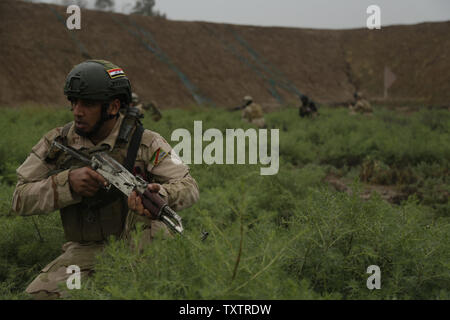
column 36, row 192
column 179, row 188
column 245, row 113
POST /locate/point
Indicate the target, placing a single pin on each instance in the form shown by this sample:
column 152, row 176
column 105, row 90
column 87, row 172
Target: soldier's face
column 87, row 116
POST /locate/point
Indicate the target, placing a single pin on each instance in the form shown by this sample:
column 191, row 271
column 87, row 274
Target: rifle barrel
column 74, row 153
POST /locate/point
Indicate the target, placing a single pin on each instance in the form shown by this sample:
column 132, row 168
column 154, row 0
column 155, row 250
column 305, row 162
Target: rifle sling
column 133, row 148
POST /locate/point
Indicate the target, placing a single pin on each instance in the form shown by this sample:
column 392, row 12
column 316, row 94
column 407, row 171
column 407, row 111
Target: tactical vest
column 103, row 215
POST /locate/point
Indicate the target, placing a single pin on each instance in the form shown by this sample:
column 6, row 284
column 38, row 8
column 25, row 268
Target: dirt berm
column 179, row 64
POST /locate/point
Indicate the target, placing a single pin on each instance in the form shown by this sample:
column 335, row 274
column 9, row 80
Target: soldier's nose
column 77, row 110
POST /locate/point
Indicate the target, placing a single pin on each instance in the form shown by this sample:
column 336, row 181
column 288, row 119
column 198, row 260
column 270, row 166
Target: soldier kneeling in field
column 360, row 105
column 307, row 108
column 91, row 211
column 253, row 113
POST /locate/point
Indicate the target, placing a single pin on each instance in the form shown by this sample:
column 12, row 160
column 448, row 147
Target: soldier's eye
column 89, row 103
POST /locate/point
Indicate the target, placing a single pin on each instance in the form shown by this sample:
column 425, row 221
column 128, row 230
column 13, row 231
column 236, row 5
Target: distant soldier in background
column 244, row 105
column 151, row 106
column 308, row 107
column 252, row 112
column 156, row 114
column 360, row 105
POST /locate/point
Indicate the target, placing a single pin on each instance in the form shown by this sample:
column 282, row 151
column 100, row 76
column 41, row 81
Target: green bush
column 286, row 236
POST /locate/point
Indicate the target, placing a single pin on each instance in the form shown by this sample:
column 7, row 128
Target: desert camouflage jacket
column 39, row 192
column 252, row 111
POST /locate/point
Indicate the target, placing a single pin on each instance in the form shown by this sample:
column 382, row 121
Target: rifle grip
column 153, row 202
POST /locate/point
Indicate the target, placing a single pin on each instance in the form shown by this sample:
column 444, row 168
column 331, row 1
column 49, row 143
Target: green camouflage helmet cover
column 97, row 80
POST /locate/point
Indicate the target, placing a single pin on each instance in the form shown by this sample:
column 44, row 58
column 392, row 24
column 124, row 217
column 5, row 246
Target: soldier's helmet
column 304, row 99
column 134, row 98
column 97, row 80
column 248, row 99
column 358, row 95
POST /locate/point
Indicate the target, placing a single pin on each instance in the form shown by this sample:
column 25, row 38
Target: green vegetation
column 287, row 236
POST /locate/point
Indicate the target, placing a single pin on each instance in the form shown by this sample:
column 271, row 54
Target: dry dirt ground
column 179, row 64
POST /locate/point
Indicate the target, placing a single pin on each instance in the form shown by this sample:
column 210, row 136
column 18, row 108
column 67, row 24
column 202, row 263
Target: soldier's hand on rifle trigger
column 135, row 201
column 85, row 181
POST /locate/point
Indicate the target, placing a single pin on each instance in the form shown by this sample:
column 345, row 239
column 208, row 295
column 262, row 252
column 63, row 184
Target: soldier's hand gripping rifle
column 122, row 179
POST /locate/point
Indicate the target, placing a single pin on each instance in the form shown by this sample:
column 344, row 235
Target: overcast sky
column 329, row 14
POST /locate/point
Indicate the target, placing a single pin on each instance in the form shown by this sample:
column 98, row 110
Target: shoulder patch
column 158, row 156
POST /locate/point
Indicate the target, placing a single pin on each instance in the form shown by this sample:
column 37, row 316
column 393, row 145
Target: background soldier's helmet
column 134, row 98
column 248, row 98
column 97, row 80
column 304, row 100
column 358, row 95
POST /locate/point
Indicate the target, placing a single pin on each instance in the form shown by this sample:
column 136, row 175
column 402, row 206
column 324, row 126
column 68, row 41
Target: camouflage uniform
column 307, row 108
column 361, row 105
column 136, row 103
column 156, row 114
column 253, row 114
column 40, row 192
column 139, row 106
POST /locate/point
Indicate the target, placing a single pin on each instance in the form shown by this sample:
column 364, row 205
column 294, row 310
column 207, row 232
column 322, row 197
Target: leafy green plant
column 286, row 236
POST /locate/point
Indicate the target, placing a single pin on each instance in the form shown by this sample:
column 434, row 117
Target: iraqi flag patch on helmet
column 115, row 73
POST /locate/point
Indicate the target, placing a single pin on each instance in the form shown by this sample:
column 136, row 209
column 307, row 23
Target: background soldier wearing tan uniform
column 253, row 113
column 360, row 105
column 49, row 180
column 156, row 114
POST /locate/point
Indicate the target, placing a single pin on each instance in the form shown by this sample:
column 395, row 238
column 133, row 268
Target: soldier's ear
column 114, row 107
